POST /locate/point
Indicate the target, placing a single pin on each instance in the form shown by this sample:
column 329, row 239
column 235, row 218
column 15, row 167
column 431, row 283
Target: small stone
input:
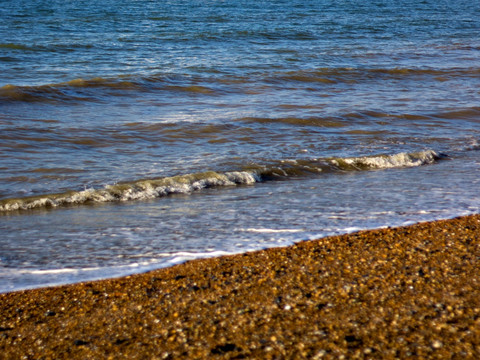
column 319, row 355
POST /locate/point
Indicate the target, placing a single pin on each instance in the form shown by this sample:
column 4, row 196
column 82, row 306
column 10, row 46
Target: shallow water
column 134, row 135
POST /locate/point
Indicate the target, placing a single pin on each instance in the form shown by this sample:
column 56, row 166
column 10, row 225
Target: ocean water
column 136, row 135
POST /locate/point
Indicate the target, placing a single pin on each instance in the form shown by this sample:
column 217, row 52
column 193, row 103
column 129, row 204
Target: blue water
column 139, row 134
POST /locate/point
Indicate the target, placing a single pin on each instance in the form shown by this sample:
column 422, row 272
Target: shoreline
column 411, row 291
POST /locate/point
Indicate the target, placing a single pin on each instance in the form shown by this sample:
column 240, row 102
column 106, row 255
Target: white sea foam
column 389, row 161
column 272, row 231
column 183, row 256
column 56, row 271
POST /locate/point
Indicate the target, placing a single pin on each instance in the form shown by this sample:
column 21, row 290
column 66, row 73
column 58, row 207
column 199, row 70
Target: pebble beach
column 407, row 292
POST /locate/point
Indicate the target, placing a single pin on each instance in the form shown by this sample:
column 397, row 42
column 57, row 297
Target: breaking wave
column 185, row 184
column 389, row 161
column 142, row 189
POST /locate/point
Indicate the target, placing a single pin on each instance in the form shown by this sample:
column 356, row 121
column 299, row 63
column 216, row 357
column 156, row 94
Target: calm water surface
column 139, row 134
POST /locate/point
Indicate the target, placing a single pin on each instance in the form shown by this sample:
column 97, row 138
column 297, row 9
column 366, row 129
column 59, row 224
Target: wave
column 73, row 90
column 328, row 122
column 184, row 184
column 95, row 89
column 13, row 46
column 389, row 161
column 141, row 189
column 353, row 75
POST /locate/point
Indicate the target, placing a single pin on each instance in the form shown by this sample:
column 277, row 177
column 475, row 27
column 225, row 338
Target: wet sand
column 408, row 292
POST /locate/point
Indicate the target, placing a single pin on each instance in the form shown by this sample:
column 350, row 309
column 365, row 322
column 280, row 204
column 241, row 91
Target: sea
column 139, row 134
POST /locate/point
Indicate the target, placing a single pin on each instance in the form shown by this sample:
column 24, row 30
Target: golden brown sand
column 409, row 292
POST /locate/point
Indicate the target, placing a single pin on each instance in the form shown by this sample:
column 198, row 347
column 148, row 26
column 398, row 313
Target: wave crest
column 185, row 184
column 388, row 161
column 142, row 189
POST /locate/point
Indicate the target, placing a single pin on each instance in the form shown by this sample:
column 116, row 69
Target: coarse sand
column 408, row 292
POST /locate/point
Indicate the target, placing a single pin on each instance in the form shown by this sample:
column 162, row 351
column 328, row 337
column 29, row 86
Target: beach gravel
column 409, row 292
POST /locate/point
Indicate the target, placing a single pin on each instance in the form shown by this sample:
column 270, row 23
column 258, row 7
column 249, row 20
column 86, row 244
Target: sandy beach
column 408, row 292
